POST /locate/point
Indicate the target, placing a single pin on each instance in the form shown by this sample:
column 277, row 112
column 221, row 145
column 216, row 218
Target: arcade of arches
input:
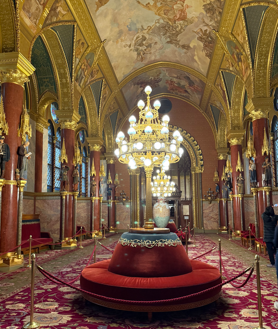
column 71, row 74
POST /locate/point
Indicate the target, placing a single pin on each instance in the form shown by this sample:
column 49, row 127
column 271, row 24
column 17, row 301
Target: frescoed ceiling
column 144, row 32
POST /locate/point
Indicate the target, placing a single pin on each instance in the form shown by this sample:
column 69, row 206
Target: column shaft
column 13, row 102
column 112, row 217
column 38, row 161
column 221, row 165
column 95, row 156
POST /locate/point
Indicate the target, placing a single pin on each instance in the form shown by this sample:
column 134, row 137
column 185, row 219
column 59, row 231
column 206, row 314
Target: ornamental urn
column 161, row 213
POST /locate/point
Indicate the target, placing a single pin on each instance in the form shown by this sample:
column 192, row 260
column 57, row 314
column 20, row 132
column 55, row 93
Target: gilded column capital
column 222, row 153
column 259, row 107
column 41, row 123
column 110, row 158
column 69, row 125
column 134, row 171
column 15, row 68
column 21, row 184
column 95, row 143
column 235, row 137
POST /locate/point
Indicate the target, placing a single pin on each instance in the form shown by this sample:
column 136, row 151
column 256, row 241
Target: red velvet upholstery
column 31, row 226
column 172, row 227
column 159, row 262
column 98, row 279
column 245, row 234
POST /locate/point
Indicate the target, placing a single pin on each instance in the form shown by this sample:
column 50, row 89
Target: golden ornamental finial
column 63, row 156
column 228, row 167
column 93, row 170
column 223, row 177
column 216, row 178
column 265, row 146
column 250, row 152
column 4, row 128
column 239, row 166
column 109, row 180
column 25, row 127
column 102, row 171
column 77, row 156
column 116, row 180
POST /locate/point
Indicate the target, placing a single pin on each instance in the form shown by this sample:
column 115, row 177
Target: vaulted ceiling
column 98, row 55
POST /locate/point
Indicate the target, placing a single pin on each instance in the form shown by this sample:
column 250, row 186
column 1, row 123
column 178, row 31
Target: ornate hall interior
column 138, row 152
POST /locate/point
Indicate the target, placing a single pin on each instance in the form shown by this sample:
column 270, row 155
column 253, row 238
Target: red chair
column 245, row 235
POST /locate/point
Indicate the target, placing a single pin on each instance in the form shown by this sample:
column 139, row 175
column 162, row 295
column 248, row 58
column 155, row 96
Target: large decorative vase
column 161, row 213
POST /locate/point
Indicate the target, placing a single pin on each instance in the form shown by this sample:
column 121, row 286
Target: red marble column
column 238, row 211
column 221, row 165
column 38, row 161
column 258, row 132
column 111, row 169
column 13, row 102
column 95, row 156
column 68, row 135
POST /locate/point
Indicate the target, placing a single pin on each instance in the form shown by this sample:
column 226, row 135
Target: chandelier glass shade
column 150, row 143
column 161, row 185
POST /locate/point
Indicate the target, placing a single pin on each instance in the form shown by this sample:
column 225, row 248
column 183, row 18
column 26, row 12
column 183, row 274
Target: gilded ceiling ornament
column 259, row 107
column 222, row 156
column 228, row 168
column 96, row 147
column 63, row 157
column 235, row 141
column 223, row 177
column 4, row 128
column 265, row 146
column 215, row 177
column 13, row 76
column 25, row 127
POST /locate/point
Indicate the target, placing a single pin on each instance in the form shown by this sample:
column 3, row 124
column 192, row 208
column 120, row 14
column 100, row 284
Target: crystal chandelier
column 150, row 144
column 161, row 185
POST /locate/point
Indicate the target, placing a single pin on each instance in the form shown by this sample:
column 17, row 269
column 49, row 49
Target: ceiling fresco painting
column 239, row 32
column 80, row 46
column 148, row 31
column 105, row 93
column 221, row 88
column 59, row 11
column 31, row 13
column 84, row 68
column 239, row 58
column 214, row 100
column 93, row 75
column 164, row 80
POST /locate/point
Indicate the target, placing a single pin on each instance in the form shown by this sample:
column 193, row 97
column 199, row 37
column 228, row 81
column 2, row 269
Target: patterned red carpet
column 57, row 306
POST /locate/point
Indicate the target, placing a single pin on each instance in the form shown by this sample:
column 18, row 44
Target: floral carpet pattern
column 58, row 306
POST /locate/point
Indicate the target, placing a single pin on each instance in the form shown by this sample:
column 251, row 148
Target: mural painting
column 84, row 68
column 240, row 33
column 95, row 74
column 31, row 12
column 104, row 94
column 80, row 46
column 216, row 102
column 239, row 57
column 229, row 64
column 146, row 31
column 58, row 12
column 220, row 86
column 164, row 80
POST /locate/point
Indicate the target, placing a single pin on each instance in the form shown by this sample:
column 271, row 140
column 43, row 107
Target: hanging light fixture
column 149, row 143
column 161, row 185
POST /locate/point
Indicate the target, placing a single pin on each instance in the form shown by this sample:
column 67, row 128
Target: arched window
column 83, row 178
column 50, row 158
column 53, row 109
column 57, row 169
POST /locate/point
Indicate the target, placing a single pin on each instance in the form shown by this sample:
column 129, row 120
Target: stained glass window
column 50, row 158
column 53, row 109
column 82, row 136
column 84, row 155
column 57, row 168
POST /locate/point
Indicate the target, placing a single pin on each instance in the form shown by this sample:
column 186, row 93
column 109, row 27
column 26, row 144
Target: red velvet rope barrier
column 204, row 253
column 106, row 247
column 3, row 253
column 234, row 285
column 135, row 302
column 72, row 281
column 58, row 243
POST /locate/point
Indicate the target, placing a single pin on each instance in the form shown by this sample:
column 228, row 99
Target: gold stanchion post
column 220, row 261
column 95, row 253
column 80, row 245
column 30, row 248
column 189, row 231
column 257, row 262
column 250, row 241
column 32, row 323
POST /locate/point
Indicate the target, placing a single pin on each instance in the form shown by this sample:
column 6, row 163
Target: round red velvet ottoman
column 150, row 267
